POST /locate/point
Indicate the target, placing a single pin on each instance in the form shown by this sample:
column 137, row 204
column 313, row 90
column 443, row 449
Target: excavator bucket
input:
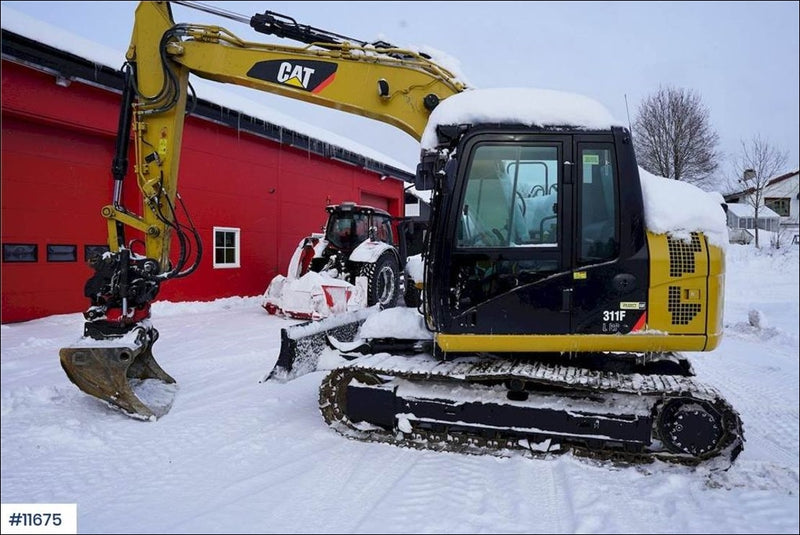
column 122, row 372
column 303, row 344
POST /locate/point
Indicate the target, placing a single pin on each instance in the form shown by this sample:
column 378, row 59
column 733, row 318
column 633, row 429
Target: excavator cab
column 538, row 230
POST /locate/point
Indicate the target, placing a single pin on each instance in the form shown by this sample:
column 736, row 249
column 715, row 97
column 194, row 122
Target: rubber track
column 660, row 388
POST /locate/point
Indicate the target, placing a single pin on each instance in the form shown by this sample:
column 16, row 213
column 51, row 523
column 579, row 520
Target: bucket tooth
column 122, row 372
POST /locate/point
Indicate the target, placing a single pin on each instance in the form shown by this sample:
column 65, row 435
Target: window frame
column 89, row 250
column 784, row 202
column 237, row 247
column 52, row 253
column 8, row 257
column 480, row 220
column 581, row 226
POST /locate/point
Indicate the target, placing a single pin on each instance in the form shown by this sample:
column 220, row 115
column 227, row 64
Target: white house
column 781, row 203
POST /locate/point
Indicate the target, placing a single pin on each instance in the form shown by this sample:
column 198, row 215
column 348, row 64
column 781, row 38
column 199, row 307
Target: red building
column 240, row 176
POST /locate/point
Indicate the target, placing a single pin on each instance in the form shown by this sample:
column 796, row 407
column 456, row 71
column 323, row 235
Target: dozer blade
column 302, row 345
column 122, row 372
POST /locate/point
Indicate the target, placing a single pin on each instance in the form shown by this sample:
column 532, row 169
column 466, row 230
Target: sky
column 235, row 455
column 741, row 57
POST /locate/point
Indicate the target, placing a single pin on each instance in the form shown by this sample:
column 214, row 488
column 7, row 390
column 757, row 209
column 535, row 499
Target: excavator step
column 122, row 371
column 496, row 406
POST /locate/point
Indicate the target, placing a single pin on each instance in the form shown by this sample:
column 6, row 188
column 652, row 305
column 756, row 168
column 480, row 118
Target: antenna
column 629, row 113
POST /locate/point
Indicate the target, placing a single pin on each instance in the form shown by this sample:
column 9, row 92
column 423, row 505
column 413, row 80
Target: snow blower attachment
column 122, row 372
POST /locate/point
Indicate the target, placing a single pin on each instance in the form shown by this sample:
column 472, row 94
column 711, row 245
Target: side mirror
column 431, row 163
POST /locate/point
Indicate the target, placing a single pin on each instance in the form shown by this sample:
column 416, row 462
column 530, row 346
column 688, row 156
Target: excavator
column 554, row 318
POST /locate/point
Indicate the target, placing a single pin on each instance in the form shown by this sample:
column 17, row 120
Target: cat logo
column 308, row 75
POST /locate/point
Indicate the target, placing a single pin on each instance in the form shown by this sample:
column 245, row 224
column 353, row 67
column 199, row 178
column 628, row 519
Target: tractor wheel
column 383, row 281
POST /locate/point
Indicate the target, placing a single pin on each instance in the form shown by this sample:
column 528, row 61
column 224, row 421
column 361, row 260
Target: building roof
column 746, row 210
column 41, row 45
column 772, row 182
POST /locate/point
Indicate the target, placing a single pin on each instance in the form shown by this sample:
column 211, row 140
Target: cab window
column 598, row 205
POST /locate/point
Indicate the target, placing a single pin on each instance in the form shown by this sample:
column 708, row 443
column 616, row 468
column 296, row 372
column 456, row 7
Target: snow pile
column 757, row 319
column 415, row 268
column 314, row 295
column 679, row 208
column 525, row 106
column 398, row 322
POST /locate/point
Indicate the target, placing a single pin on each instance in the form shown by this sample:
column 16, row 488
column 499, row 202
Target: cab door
column 609, row 291
column 503, row 263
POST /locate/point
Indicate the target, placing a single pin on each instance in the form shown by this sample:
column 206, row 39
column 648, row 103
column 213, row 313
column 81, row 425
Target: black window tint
column 62, row 253
column 20, row 252
column 598, row 192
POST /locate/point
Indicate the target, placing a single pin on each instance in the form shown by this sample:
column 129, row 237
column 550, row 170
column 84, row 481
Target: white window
column 226, row 247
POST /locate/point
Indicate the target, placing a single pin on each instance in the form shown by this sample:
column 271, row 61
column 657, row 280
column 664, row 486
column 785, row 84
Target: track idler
column 122, row 371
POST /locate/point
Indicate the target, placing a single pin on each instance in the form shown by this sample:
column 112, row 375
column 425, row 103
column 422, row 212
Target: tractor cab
column 350, row 224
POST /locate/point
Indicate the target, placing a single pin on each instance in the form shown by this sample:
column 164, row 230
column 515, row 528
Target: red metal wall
column 56, row 156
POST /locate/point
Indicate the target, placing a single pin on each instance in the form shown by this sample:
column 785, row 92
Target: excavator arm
column 113, row 360
column 398, row 87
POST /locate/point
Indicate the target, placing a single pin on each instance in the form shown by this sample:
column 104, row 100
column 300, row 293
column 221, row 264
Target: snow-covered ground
column 238, row 456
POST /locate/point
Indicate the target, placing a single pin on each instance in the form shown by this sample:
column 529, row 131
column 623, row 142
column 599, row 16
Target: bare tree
column 758, row 163
column 673, row 136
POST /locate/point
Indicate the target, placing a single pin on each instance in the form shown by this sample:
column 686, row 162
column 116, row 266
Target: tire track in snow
column 476, row 491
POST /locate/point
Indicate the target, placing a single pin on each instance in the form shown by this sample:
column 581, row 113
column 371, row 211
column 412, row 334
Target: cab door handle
column 566, row 300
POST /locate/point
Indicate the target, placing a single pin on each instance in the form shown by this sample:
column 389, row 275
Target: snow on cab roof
column 526, row 106
column 671, row 206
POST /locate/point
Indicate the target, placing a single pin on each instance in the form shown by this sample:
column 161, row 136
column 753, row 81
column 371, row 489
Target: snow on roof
column 678, row 208
column 525, row 106
column 22, row 24
column 747, row 210
column 771, row 182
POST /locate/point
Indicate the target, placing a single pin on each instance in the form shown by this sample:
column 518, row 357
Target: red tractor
column 359, row 261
